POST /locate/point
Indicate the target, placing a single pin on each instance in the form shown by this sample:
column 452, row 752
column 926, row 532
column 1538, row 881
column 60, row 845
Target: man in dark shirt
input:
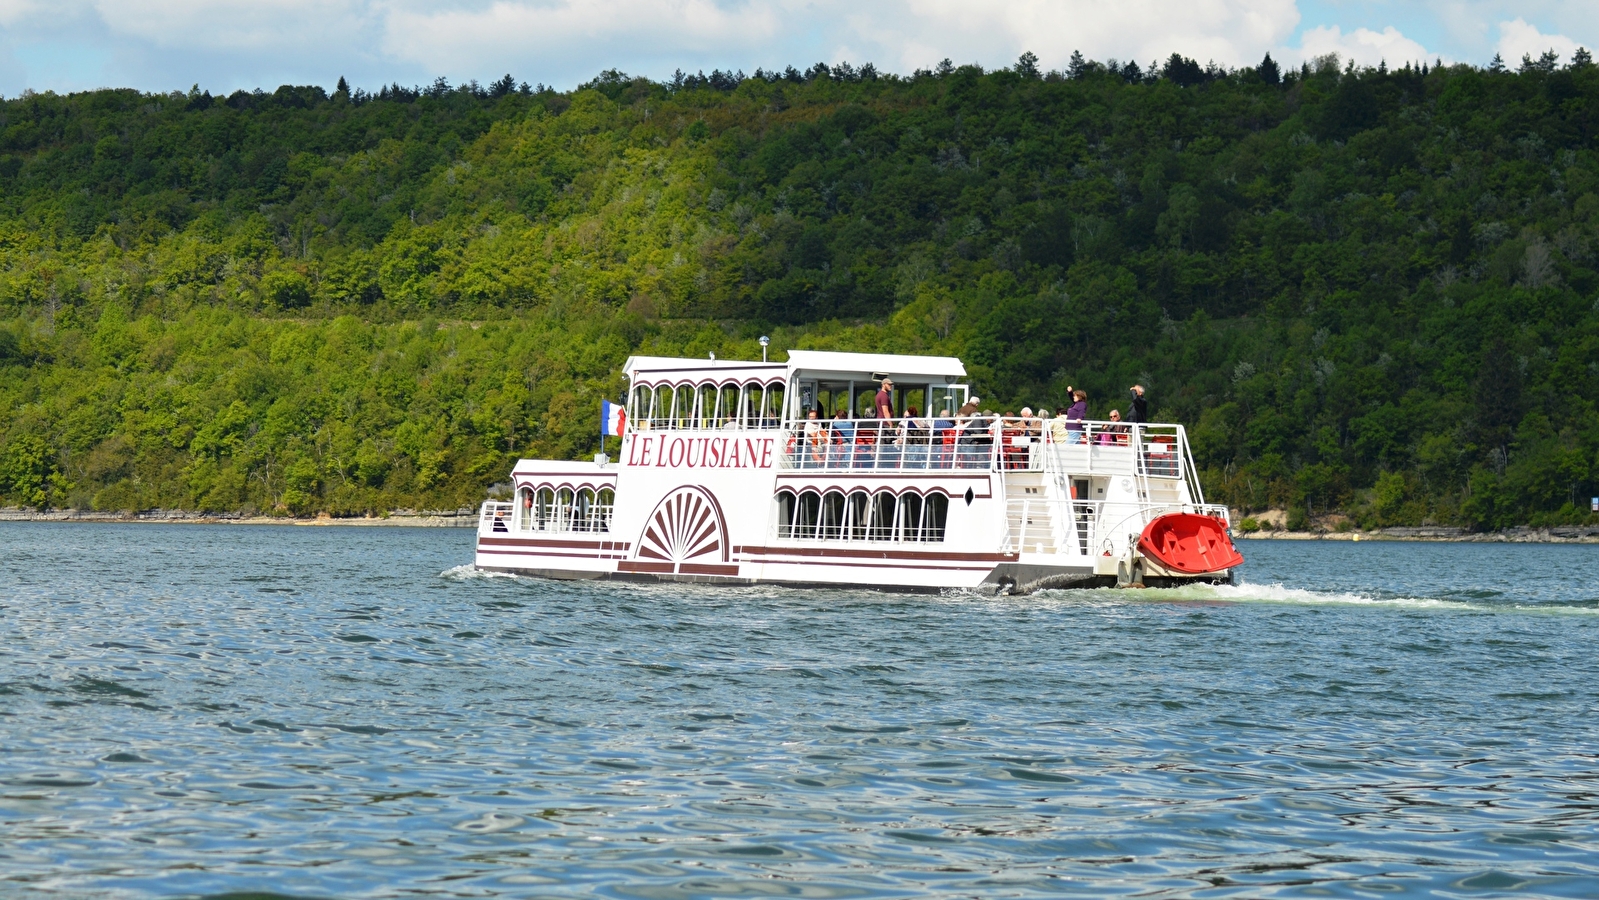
column 883, row 409
column 1140, row 407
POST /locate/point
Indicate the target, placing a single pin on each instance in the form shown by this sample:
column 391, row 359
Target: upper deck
column 926, row 434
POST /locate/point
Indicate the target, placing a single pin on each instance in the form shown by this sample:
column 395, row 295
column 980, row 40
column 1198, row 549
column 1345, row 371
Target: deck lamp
column 764, row 341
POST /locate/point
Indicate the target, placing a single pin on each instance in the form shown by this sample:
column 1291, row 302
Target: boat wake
column 1278, row 593
column 470, row 572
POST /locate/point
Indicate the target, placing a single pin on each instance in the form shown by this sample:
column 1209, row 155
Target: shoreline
column 1522, row 534
column 461, row 518
column 467, row 518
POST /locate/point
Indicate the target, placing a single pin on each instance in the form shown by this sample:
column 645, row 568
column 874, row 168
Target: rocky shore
column 447, row 518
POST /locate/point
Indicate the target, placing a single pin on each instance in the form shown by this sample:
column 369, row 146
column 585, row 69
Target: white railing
column 503, row 518
column 566, row 518
column 984, row 443
column 912, row 444
column 1043, row 525
column 495, row 517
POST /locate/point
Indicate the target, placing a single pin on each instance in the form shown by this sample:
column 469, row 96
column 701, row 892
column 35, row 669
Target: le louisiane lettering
column 700, row 452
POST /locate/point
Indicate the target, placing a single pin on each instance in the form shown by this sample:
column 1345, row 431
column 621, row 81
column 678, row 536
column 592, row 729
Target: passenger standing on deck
column 967, row 424
column 1057, row 428
column 941, row 441
column 1138, row 413
column 1075, row 414
column 913, row 436
column 883, row 407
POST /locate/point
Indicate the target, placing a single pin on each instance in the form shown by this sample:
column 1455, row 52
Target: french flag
column 614, row 418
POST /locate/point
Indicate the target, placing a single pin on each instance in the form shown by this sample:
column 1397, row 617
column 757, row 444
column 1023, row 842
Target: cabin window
column 810, row 507
column 544, row 510
column 832, row 520
column 726, row 404
column 860, row 503
column 749, row 407
column 785, row 515
column 683, row 407
column 583, row 511
column 705, row 415
column 861, row 516
column 524, row 509
column 563, row 509
column 881, row 527
column 934, row 514
column 661, row 409
column 566, row 509
column 638, row 407
column 772, row 413
column 916, row 396
column 910, row 517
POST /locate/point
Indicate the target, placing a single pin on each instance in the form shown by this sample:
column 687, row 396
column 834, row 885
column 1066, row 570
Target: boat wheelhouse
column 754, row 472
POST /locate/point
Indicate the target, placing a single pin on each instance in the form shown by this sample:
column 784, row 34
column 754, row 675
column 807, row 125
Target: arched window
column 832, row 518
column 910, row 517
column 524, row 509
column 604, row 502
column 749, row 411
column 934, row 514
column 726, row 404
column 638, row 407
column 563, row 510
column 881, row 526
column 544, row 510
column 683, row 407
column 805, row 518
column 860, row 504
column 705, row 415
column 772, row 407
column 785, row 515
column 661, row 411
column 583, row 512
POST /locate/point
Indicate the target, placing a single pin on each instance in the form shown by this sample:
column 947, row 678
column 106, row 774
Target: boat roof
column 897, row 365
column 676, row 368
column 809, row 362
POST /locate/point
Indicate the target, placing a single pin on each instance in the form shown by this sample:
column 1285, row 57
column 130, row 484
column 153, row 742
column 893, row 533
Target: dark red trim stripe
column 524, row 552
column 535, row 542
column 846, row 553
column 639, row 565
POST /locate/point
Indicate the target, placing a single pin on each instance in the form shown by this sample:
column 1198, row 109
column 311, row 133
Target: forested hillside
column 1371, row 291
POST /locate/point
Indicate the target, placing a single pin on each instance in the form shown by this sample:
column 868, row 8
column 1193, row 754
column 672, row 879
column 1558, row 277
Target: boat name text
column 700, row 452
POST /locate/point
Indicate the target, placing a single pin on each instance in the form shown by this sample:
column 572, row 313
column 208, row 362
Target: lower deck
column 1030, row 511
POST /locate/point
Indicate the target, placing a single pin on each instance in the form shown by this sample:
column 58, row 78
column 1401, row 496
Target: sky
column 227, row 45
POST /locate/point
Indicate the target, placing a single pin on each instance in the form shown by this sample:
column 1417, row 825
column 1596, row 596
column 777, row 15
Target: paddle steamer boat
column 721, row 477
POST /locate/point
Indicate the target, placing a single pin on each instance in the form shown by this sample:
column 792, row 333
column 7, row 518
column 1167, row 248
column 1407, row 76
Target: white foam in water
column 468, row 571
column 1279, row 593
column 1272, row 593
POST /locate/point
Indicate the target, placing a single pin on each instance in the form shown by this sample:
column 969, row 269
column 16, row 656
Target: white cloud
column 279, row 26
column 1233, row 32
column 1364, row 46
column 582, row 36
column 577, row 36
column 227, row 44
column 1518, row 39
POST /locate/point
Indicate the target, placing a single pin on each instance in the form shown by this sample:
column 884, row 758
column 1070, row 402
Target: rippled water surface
column 346, row 712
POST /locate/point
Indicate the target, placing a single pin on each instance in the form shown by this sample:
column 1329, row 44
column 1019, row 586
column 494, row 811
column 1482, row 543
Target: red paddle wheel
column 1189, row 543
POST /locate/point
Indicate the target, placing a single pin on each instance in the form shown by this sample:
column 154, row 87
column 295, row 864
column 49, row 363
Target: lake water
column 350, row 712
